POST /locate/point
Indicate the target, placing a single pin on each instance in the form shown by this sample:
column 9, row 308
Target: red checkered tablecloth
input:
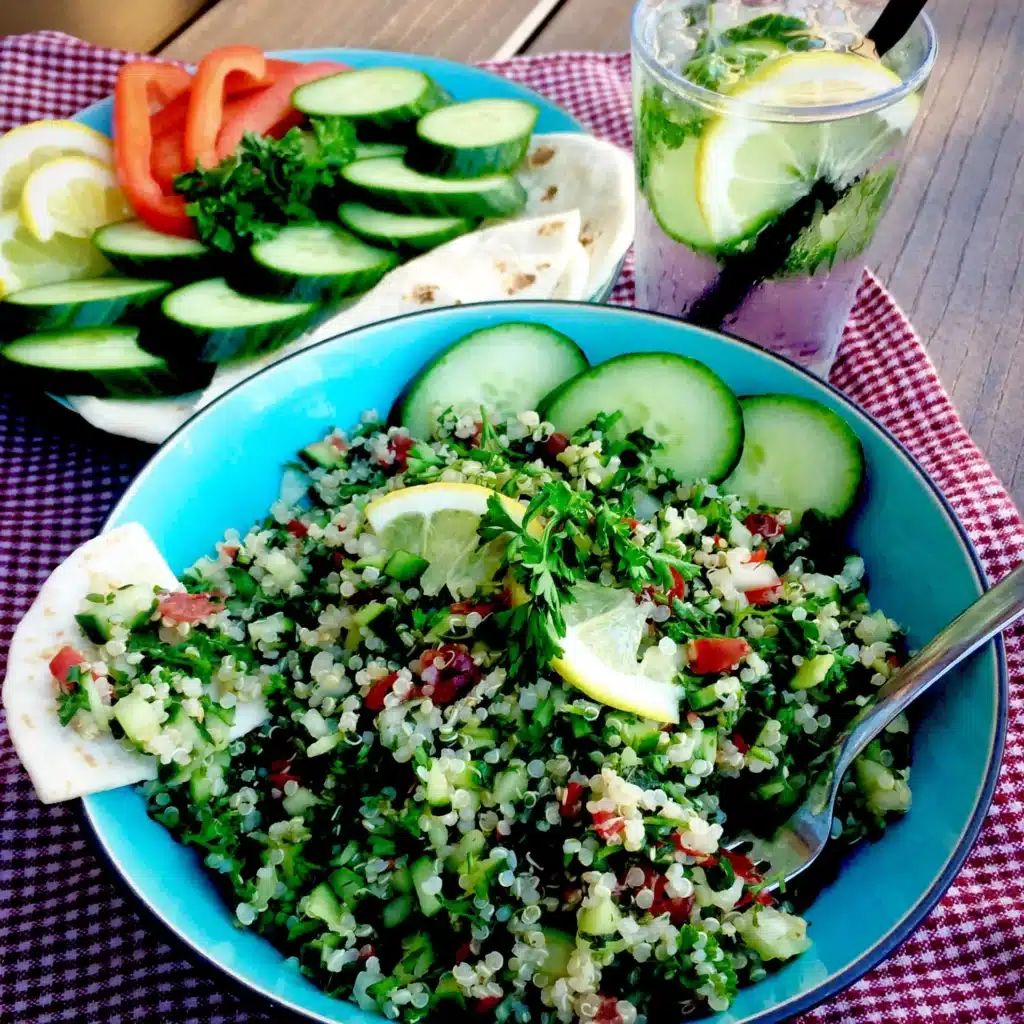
column 72, row 948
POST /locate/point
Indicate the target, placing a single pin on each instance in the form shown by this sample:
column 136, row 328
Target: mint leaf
column 776, row 28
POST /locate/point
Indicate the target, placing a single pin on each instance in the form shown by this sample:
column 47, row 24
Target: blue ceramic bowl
column 223, row 469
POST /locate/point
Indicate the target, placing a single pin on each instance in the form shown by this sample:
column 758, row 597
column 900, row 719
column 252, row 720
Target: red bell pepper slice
column 206, row 109
column 262, row 112
column 167, row 159
column 137, row 83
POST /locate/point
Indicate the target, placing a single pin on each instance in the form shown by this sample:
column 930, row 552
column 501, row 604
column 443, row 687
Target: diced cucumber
column 396, row 911
column 98, row 707
column 466, row 850
column 322, row 454
column 503, row 369
column 209, row 321
column 883, row 790
column 642, row 734
column 346, row 884
column 372, row 98
column 441, row 783
column 601, row 918
column 323, row 905
column 390, row 183
column 423, row 870
column 468, row 140
column 559, row 947
column 296, row 804
column 401, row 230
column 139, row 251
column 99, row 361
column 369, row 612
column 797, row 455
column 139, row 718
column 129, row 606
column 70, row 304
column 511, row 785
column 447, row 988
column 678, row 402
column 372, row 150
column 312, row 263
column 404, row 566
column 812, row 672
column 771, row 933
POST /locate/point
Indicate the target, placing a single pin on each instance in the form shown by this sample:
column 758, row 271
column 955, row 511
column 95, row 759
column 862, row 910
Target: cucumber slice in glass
column 750, row 171
column 390, row 183
column 797, row 454
column 467, row 140
column 678, row 402
column 503, row 369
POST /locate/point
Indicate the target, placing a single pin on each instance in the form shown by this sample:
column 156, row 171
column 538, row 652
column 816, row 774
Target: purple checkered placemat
column 73, row 949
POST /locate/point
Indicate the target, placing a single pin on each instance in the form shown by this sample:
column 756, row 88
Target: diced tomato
column 62, row 663
column 758, row 556
column 742, row 865
column 556, row 444
column 374, row 699
column 740, row 743
column 608, row 1011
column 265, row 111
column 399, row 446
column 678, row 584
column 482, row 608
column 677, row 907
column 448, row 670
column 765, row 899
column 365, row 952
column 243, row 64
column 893, row 660
column 464, row 952
column 572, row 802
column 280, row 773
column 181, row 606
column 631, row 522
column 139, row 83
column 608, row 824
column 486, row 1004
column 718, row 540
column 230, row 551
column 297, row 528
column 764, row 523
column 338, row 442
column 716, row 654
column 765, row 595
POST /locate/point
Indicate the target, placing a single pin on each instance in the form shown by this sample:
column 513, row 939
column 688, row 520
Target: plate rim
column 914, row 916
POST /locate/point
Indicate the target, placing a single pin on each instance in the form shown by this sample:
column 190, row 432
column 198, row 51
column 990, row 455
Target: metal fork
column 798, row 841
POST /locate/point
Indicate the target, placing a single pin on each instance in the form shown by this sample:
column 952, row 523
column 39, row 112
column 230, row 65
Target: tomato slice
column 716, row 654
column 206, row 108
column 265, row 111
column 139, row 82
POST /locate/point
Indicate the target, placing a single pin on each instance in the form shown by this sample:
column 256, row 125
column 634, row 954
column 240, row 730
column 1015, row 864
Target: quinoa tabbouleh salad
column 521, row 685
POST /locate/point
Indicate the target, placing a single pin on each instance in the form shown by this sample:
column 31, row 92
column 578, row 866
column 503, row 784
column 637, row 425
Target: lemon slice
column 24, row 149
column 73, row 195
column 439, row 523
column 26, row 262
column 748, row 171
column 604, row 627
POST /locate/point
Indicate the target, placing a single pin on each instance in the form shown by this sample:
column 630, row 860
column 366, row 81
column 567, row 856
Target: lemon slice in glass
column 749, row 171
column 72, row 195
column 26, row 262
column 24, row 149
column 439, row 523
column 604, row 627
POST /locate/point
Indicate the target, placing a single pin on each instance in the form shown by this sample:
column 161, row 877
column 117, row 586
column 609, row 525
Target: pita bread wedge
column 61, row 762
column 572, row 171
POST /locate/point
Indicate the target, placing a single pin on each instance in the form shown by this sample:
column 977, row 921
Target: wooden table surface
column 952, row 248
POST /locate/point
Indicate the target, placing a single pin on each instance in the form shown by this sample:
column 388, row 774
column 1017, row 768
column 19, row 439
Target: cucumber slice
column 504, row 369
column 679, row 402
column 382, row 97
column 390, row 183
column 467, row 140
column 313, row 263
column 106, row 361
column 90, row 303
column 137, row 250
column 373, row 150
column 211, row 322
column 401, row 230
column 672, row 193
column 797, row 455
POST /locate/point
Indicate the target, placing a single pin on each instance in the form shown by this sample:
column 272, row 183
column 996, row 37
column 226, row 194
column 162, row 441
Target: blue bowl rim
column 969, row 835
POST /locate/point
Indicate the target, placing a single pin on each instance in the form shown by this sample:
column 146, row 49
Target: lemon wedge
column 750, row 171
column 26, row 262
column 72, row 195
column 439, row 523
column 604, row 627
column 24, row 149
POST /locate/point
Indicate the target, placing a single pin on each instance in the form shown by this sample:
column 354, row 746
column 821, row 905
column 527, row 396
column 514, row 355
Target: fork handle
column 990, row 614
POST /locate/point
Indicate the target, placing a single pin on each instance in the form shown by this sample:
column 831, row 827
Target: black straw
column 893, row 24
